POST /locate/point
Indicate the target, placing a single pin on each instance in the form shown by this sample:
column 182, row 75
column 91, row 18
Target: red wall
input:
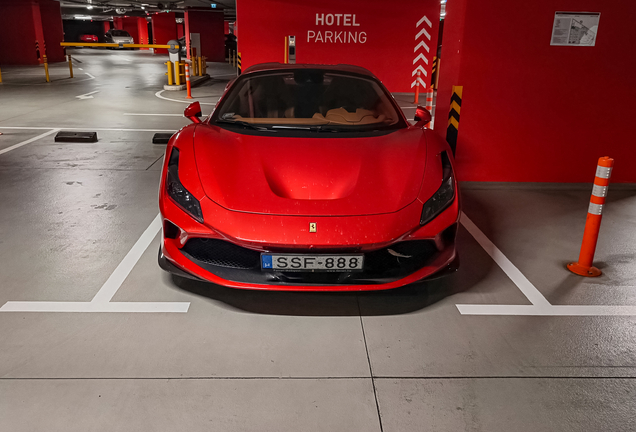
column 209, row 25
column 535, row 112
column 388, row 32
column 164, row 29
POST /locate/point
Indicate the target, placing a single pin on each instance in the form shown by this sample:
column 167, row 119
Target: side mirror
column 193, row 112
column 422, row 116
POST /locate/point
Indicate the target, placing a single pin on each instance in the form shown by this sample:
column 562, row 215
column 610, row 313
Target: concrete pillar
column 164, row 29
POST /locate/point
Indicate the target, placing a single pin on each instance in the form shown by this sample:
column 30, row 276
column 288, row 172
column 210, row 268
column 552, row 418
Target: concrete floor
column 543, row 350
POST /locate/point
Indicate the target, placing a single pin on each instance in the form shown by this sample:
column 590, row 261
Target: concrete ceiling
column 106, row 9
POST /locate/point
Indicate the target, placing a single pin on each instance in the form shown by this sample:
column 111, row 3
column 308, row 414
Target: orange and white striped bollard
column 584, row 266
column 429, row 103
column 417, row 88
column 187, row 76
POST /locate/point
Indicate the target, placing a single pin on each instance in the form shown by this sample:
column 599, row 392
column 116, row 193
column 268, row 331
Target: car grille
column 240, row 264
column 221, row 253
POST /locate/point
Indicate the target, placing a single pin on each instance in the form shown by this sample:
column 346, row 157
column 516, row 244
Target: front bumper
column 434, row 254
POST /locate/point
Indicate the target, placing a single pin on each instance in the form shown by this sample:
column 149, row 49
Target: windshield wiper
column 245, row 124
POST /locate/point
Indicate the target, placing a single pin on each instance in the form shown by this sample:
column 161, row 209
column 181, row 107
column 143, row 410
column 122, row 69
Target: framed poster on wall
column 575, row 28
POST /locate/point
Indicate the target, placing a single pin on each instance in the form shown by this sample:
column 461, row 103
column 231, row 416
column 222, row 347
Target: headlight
column 177, row 192
column 443, row 196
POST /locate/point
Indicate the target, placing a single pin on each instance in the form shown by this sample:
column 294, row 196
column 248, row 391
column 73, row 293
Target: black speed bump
column 65, row 136
column 161, row 138
column 453, row 117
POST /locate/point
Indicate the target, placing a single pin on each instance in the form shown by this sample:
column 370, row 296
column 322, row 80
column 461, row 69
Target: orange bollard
column 429, row 102
column 188, row 87
column 593, row 222
column 417, row 88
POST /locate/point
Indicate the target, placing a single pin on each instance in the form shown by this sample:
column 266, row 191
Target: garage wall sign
column 336, row 32
column 422, row 50
column 395, row 43
column 575, row 28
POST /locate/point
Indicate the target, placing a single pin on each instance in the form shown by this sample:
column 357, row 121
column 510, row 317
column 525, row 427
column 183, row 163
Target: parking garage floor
column 94, row 336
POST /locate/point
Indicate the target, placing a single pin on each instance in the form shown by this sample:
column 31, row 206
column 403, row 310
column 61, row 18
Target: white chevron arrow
column 421, row 69
column 422, row 44
column 422, row 83
column 87, row 95
column 421, row 56
column 422, row 20
column 423, row 32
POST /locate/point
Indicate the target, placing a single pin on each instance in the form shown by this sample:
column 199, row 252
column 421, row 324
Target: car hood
column 310, row 176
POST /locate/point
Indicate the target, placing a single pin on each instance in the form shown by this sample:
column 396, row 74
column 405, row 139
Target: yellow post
column 70, row 65
column 46, row 69
column 200, row 66
column 177, row 75
column 0, row 76
column 170, row 72
column 286, row 49
column 205, row 64
column 193, row 58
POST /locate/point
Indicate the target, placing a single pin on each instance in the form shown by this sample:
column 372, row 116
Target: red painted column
column 17, row 33
column 164, row 29
column 142, row 31
column 186, row 29
column 106, row 26
column 210, row 26
column 51, row 18
column 23, row 24
column 40, row 44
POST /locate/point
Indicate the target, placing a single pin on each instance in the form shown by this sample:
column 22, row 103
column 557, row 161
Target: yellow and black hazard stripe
column 434, row 72
column 453, row 117
column 238, row 62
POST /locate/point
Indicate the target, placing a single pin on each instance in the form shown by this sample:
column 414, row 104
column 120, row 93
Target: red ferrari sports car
column 88, row 38
column 308, row 177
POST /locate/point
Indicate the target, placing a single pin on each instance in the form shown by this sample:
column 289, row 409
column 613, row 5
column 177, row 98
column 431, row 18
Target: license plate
column 312, row 263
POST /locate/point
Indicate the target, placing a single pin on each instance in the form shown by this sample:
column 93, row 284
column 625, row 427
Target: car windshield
column 311, row 99
column 123, row 33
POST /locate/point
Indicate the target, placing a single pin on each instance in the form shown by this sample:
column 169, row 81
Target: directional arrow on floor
column 87, row 95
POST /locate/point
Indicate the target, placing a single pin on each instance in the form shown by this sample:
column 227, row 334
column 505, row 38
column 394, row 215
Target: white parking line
column 540, row 305
column 110, row 287
column 158, row 94
column 549, row 310
column 526, row 287
column 153, row 115
column 102, row 300
column 15, row 146
column 138, row 307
